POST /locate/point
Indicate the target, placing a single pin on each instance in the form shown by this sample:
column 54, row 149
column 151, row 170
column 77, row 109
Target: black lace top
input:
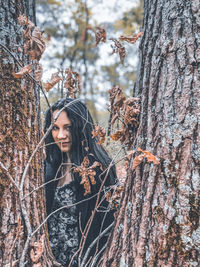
column 63, row 226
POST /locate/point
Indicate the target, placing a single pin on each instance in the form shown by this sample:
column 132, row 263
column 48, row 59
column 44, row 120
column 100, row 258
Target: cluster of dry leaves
column 34, row 47
column 100, row 34
column 126, row 111
column 118, row 47
column 72, row 82
column 87, row 174
column 115, row 197
column 100, row 133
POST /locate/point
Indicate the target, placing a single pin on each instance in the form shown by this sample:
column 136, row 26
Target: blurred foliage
column 131, row 20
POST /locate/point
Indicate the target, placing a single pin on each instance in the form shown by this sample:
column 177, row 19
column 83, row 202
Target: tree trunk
column 19, row 136
column 158, row 218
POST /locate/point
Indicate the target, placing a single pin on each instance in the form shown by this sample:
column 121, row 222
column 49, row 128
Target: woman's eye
column 55, row 128
column 68, row 127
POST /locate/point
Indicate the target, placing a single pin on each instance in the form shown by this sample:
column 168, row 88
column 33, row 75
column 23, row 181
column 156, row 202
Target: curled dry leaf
column 100, row 133
column 118, row 48
column 114, row 199
column 25, row 70
column 87, row 174
column 117, row 135
column 150, row 157
column 130, row 110
column 145, row 154
column 137, row 160
column 55, row 78
column 37, row 250
column 131, row 39
column 72, row 82
column 100, row 35
column 22, row 20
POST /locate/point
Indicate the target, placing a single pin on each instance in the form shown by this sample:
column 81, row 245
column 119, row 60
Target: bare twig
column 8, row 174
column 14, row 242
column 94, row 242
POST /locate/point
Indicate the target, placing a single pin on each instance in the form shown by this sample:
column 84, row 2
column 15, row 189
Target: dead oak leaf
column 87, row 174
column 150, row 157
column 25, row 70
column 131, row 39
column 55, row 78
column 100, row 133
column 118, row 48
column 37, row 250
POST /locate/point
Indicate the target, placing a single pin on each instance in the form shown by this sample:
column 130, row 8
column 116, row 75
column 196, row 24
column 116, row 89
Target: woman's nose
column 62, row 134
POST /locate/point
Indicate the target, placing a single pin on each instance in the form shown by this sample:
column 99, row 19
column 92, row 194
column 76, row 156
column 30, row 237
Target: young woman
column 72, row 231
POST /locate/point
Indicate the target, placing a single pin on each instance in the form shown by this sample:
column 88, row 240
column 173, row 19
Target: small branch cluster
column 87, row 174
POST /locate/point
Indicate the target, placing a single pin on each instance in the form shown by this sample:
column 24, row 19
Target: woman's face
column 61, row 131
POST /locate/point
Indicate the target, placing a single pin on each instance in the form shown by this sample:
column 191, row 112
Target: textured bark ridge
column 19, row 135
column 158, row 219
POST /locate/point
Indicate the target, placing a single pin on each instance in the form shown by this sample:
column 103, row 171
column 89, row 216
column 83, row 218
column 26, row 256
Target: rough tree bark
column 19, row 135
column 158, row 219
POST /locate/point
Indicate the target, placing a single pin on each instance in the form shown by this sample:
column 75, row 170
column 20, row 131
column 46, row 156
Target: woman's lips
column 65, row 143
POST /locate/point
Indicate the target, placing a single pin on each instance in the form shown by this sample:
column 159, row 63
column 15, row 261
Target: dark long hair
column 82, row 142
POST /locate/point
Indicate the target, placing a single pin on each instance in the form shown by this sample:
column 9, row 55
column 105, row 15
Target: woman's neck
column 66, row 172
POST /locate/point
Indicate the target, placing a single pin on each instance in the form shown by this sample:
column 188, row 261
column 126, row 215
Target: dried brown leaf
column 117, row 135
column 150, row 157
column 100, row 35
column 22, row 20
column 34, row 44
column 136, row 162
column 25, row 70
column 100, row 133
column 55, row 78
column 118, row 48
column 131, row 39
column 87, row 174
column 72, row 82
column 37, row 250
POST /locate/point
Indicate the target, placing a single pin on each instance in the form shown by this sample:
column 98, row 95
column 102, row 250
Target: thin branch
column 9, row 176
column 93, row 264
column 94, row 242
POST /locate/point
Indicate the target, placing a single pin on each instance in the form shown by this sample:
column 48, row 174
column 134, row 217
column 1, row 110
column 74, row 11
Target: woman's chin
column 65, row 148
